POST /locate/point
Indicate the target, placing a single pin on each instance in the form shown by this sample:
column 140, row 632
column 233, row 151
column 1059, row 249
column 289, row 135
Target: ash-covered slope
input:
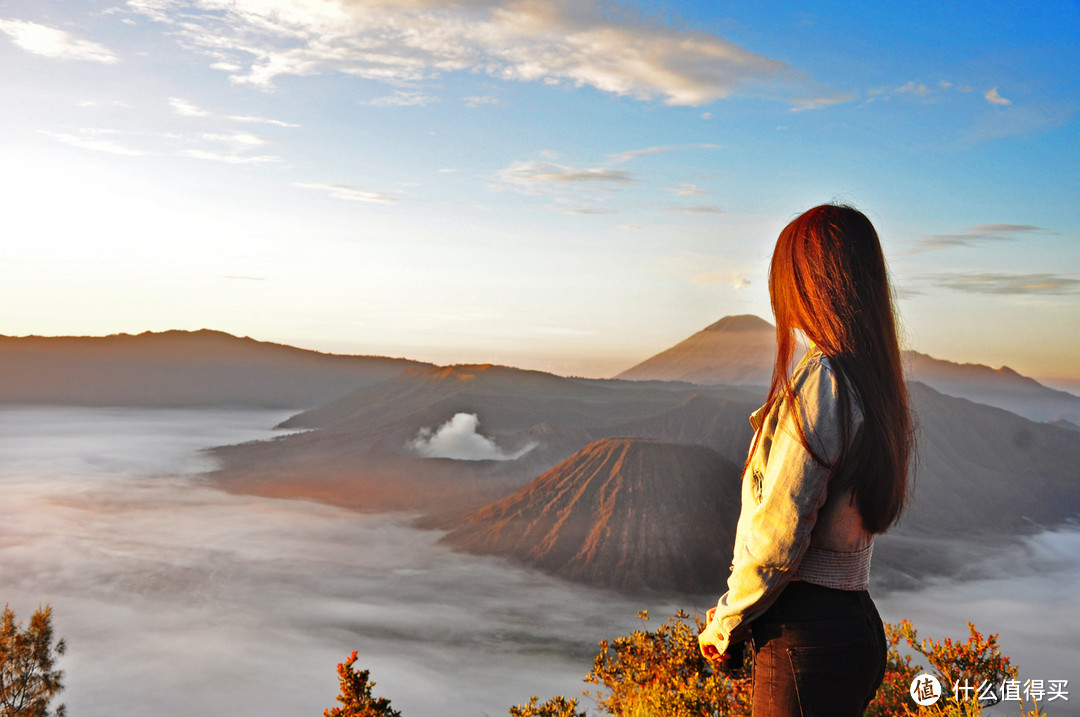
column 736, row 349
column 629, row 514
column 182, row 369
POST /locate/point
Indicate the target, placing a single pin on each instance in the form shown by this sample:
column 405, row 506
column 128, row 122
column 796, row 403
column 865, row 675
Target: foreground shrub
column 355, row 698
column 661, row 673
column 28, row 681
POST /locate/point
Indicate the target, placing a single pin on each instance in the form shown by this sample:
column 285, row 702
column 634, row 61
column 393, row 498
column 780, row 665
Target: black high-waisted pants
column 818, row 652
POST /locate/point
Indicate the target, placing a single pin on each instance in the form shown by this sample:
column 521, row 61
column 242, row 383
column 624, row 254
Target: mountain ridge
column 739, row 350
column 178, row 368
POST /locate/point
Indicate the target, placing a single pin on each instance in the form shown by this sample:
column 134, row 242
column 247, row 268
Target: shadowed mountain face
column 739, row 350
column 629, row 514
column 179, row 369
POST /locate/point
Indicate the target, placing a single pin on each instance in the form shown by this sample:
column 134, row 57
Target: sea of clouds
column 178, row 599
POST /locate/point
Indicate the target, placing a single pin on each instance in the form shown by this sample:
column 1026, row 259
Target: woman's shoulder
column 816, row 379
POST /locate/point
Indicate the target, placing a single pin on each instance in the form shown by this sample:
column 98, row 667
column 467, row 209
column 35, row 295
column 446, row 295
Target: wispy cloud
column 404, row 98
column 261, row 120
column 231, row 148
column 623, row 157
column 575, row 43
column 977, row 235
column 707, row 270
column 50, row 42
column 587, row 210
column 186, row 109
column 94, row 140
column 918, row 89
column 1002, row 283
column 230, row 157
column 687, row 190
column 352, row 194
column 994, row 98
column 801, row 104
column 480, row 100
column 696, row 209
column 533, row 173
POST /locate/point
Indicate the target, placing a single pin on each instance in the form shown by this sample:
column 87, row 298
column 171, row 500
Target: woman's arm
column 780, row 508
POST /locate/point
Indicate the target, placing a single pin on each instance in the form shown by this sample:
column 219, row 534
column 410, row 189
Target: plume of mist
column 460, row 439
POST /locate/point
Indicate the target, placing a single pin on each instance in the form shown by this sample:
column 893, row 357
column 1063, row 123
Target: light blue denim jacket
column 790, row 525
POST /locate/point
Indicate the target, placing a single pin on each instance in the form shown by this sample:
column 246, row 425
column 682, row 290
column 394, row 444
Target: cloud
column 238, row 148
column 91, row 139
column 261, row 120
column 352, row 194
column 459, row 439
column 560, row 42
column 622, row 157
column 230, row 157
column 186, row 109
column 480, row 100
column 687, row 190
column 50, row 42
column 533, row 173
column 976, row 235
column 697, row 209
column 994, row 98
column 1033, row 283
column 587, row 210
column 801, row 104
column 915, row 89
column 403, row 98
column 708, row 270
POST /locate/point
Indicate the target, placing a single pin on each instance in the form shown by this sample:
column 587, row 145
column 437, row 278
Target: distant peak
column 742, row 322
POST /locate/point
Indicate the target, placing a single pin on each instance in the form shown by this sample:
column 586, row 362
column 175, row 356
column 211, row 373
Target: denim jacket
column 791, row 526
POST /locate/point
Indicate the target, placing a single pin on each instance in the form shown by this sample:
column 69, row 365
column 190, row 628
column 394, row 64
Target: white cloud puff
column 460, row 439
column 395, row 41
column 994, row 98
column 50, row 42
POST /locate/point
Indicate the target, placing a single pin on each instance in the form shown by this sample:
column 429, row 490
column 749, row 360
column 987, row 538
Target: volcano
column 630, row 514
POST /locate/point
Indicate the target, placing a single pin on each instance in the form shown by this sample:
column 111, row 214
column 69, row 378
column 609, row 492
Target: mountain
column 739, row 350
column 1001, row 387
column 179, row 369
column 736, row 349
column 629, row 514
column 358, row 450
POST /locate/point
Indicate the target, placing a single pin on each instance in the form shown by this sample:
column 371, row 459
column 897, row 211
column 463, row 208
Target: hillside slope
column 181, row 369
column 629, row 514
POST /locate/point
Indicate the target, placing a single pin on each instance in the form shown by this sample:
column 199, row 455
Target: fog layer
column 177, row 599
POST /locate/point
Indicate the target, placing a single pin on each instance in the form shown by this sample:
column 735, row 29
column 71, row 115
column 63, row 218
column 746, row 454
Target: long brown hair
column 828, row 279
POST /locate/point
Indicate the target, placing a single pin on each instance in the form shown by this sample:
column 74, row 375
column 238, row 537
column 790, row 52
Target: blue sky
column 570, row 186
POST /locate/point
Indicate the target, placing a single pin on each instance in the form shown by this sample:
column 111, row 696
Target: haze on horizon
column 570, row 186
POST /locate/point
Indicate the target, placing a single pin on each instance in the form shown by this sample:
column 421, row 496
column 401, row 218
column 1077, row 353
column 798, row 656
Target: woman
column 827, row 470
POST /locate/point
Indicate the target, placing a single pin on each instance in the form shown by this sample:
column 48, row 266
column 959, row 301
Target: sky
column 568, row 186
